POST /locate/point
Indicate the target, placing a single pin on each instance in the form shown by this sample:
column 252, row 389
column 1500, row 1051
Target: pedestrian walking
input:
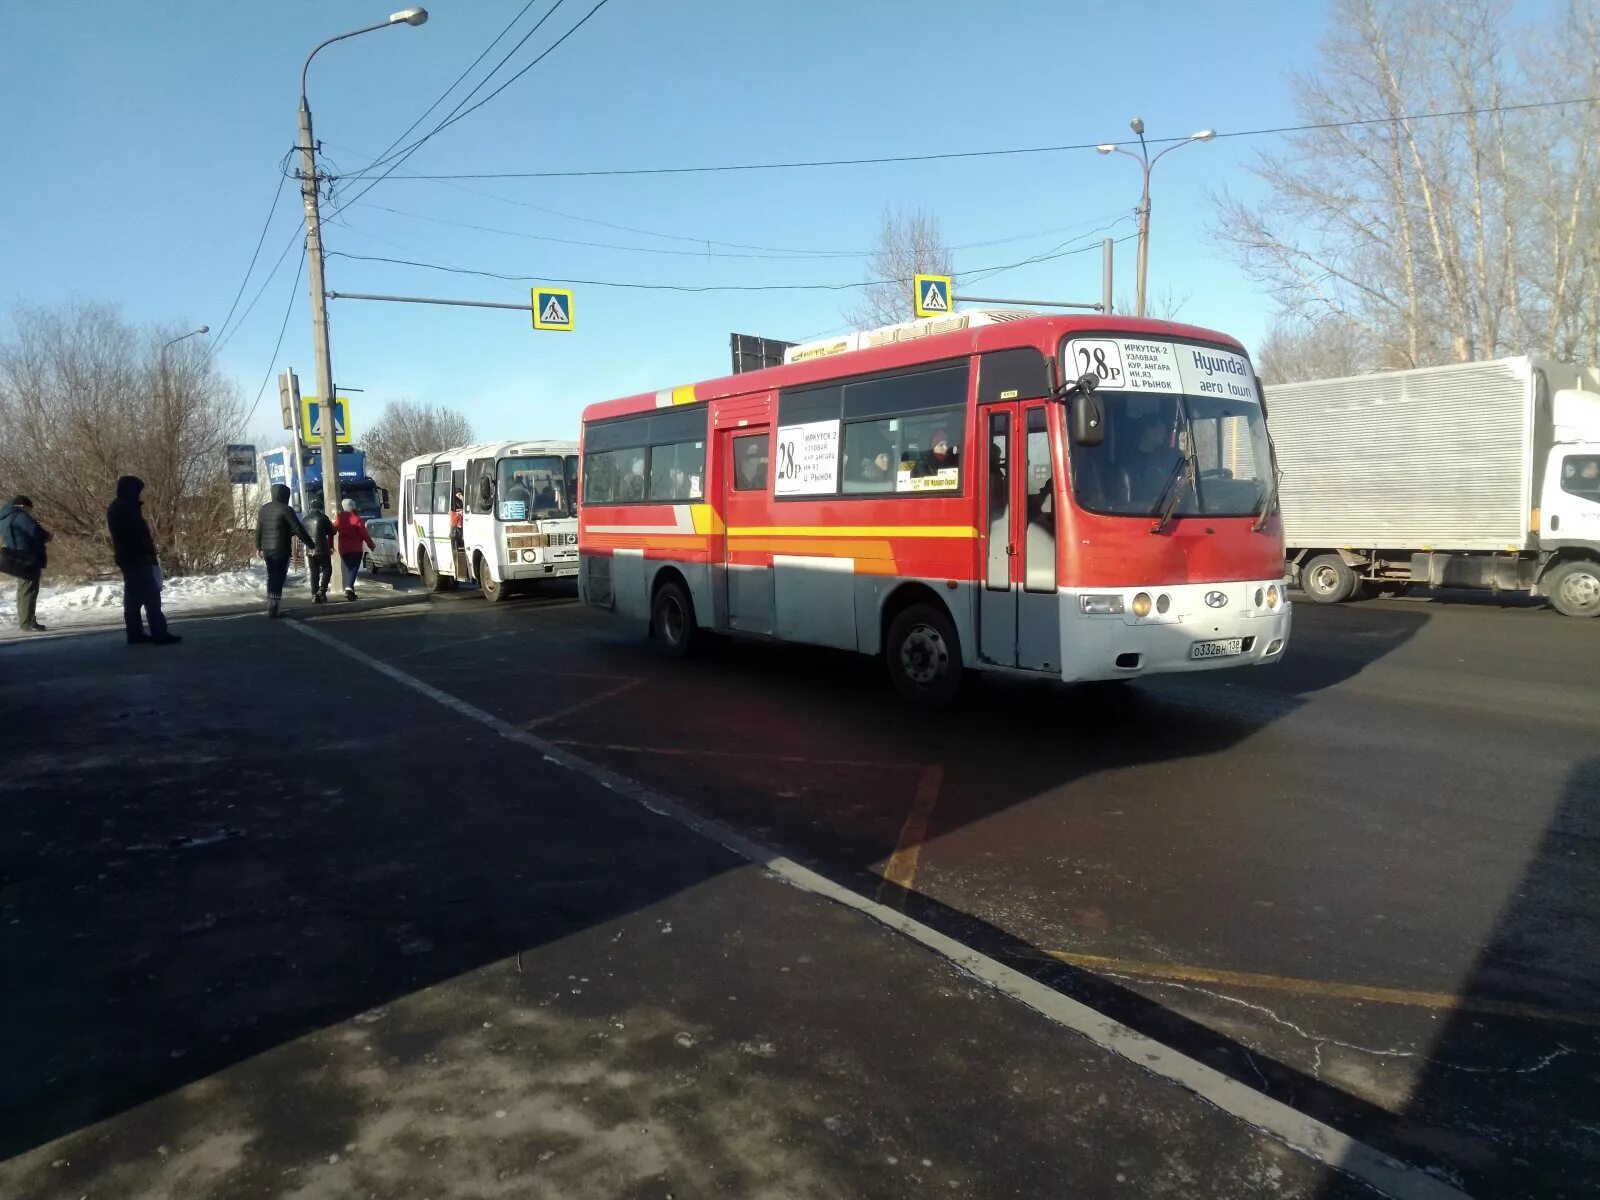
column 22, row 542
column 319, row 559
column 135, row 552
column 354, row 540
column 276, row 529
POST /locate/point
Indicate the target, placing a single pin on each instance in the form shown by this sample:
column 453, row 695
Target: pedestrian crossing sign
column 931, row 295
column 552, row 309
column 311, row 420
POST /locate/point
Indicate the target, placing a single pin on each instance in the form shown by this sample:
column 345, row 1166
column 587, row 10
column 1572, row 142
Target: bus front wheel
column 672, row 620
column 923, row 653
column 494, row 593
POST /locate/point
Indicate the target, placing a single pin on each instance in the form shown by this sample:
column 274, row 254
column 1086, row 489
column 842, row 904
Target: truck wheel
column 672, row 621
column 494, row 593
column 923, row 653
column 1327, row 580
column 1574, row 588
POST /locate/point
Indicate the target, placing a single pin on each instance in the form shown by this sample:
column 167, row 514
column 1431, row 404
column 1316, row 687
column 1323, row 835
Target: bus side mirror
column 1088, row 421
column 1088, row 417
column 385, row 493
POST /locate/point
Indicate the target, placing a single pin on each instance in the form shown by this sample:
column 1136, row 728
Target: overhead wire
column 278, row 345
column 296, row 236
column 945, row 156
column 459, row 113
column 679, row 287
column 272, row 210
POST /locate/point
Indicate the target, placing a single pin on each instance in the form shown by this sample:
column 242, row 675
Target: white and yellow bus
column 518, row 504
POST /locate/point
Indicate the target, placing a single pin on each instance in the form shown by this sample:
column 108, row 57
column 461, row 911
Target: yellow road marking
column 901, row 870
column 1408, row 997
column 624, row 686
column 683, row 752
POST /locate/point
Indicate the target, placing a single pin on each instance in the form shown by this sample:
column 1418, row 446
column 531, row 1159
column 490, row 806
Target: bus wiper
column 1269, row 495
column 1182, row 472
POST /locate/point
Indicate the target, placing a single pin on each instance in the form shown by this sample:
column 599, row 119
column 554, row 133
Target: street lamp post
column 319, row 301
column 1146, row 163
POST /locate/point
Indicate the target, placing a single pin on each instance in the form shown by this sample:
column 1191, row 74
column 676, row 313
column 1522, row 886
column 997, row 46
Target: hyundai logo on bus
column 552, row 308
column 930, row 295
column 1216, row 599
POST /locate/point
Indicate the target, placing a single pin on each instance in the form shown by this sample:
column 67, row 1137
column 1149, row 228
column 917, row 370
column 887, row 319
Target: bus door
column 747, row 584
column 1019, row 622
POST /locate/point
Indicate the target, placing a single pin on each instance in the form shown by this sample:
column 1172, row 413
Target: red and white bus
column 954, row 495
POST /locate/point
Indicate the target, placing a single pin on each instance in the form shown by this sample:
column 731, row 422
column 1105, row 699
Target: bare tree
column 909, row 244
column 85, row 398
column 1294, row 351
column 1441, row 240
column 408, row 428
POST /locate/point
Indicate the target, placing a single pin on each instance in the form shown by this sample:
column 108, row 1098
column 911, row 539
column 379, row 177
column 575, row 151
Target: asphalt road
column 1365, row 882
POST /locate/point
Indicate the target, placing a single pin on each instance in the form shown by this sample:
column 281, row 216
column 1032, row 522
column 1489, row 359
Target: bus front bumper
column 1204, row 627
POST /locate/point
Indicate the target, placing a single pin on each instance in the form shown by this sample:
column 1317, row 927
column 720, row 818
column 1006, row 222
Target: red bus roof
column 1043, row 331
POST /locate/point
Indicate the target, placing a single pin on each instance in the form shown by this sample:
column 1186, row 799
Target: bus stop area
column 445, row 899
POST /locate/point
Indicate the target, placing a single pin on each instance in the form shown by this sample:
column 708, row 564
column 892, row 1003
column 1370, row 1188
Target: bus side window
column 1039, row 538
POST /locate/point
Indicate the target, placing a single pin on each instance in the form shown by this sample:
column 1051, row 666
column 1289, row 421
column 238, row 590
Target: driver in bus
column 544, row 492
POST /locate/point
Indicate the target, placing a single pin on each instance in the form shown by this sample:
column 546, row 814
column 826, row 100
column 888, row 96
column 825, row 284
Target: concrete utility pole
column 1146, row 162
column 319, row 302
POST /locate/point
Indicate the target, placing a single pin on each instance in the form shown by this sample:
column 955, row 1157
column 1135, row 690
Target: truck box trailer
column 1481, row 474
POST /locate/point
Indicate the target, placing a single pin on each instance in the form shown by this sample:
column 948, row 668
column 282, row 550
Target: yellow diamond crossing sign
column 930, row 295
column 552, row 308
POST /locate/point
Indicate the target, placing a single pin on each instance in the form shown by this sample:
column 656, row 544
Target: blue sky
column 152, row 145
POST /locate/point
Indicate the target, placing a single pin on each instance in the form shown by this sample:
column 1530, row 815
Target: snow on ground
column 101, row 603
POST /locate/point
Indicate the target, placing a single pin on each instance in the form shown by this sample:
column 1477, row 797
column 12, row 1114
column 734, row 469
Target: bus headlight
column 1141, row 605
column 530, row 556
column 1100, row 606
column 1272, row 596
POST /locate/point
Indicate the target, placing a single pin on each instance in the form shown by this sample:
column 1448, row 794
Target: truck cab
column 1568, row 514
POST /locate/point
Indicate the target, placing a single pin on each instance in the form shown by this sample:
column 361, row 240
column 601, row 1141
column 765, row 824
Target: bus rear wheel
column 923, row 654
column 494, row 593
column 431, row 579
column 672, row 621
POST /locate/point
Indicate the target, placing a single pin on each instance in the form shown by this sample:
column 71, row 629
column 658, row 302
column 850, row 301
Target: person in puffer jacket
column 276, row 528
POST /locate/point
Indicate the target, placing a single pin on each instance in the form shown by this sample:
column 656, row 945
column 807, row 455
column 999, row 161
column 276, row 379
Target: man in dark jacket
column 25, row 537
column 276, row 529
column 319, row 559
column 135, row 552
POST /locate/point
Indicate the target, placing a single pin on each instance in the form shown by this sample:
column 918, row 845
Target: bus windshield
column 1151, row 432
column 533, row 487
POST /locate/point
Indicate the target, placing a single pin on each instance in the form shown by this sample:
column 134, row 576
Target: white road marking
column 1306, row 1134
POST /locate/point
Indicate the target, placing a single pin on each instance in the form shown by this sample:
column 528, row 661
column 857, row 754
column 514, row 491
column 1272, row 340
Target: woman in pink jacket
column 351, row 536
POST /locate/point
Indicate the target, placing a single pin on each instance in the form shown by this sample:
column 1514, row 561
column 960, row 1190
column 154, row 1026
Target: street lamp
column 181, row 336
column 1146, row 162
column 319, row 299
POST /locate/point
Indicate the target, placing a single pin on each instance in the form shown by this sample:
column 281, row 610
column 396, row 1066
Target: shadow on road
column 189, row 886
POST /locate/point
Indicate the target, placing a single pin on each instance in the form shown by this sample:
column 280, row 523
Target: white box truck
column 1483, row 475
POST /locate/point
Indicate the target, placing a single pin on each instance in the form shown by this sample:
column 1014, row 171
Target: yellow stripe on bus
column 684, row 394
column 854, row 531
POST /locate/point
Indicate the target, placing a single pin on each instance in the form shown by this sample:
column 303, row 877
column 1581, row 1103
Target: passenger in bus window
column 940, row 456
column 876, row 468
column 633, row 485
column 544, row 492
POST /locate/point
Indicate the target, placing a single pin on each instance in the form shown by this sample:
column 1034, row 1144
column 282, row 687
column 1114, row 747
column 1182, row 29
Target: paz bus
column 1074, row 497
column 517, row 515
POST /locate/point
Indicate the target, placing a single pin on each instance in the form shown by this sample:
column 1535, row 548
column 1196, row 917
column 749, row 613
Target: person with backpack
column 354, row 540
column 276, row 529
column 319, row 559
column 135, row 552
column 22, row 541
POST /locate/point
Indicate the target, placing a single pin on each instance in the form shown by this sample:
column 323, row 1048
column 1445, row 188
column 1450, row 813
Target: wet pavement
column 1365, row 883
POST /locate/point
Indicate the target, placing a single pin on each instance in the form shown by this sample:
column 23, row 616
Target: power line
column 256, row 254
column 470, row 68
column 679, row 287
column 244, row 316
column 278, row 345
column 799, row 164
column 460, row 113
column 784, row 256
